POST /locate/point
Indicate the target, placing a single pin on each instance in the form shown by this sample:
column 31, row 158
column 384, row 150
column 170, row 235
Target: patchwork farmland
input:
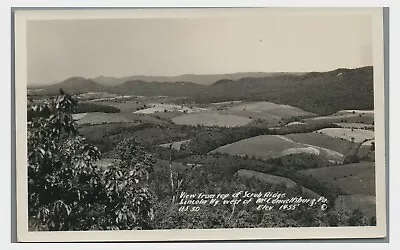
column 265, row 140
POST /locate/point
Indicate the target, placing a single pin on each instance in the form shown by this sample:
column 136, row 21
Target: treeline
column 86, row 107
column 314, row 92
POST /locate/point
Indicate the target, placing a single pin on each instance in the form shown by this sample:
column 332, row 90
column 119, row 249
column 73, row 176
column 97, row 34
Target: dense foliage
column 67, row 191
column 86, row 107
column 319, row 91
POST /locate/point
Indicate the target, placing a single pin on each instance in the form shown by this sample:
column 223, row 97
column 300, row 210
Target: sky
column 59, row 49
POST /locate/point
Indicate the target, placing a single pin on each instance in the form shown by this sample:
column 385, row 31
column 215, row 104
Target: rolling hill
column 315, row 92
column 73, row 85
column 157, row 88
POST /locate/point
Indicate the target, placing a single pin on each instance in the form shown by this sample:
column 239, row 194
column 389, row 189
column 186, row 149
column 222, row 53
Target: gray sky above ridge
column 58, row 49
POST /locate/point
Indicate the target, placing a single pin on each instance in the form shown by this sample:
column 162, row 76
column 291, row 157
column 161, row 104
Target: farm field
column 93, row 118
column 323, row 141
column 358, row 135
column 271, row 146
column 355, row 125
column 211, row 119
column 274, row 180
column 159, row 108
column 175, row 145
column 295, row 123
column 271, row 112
column 98, row 131
column 337, row 172
column 356, row 178
column 99, row 118
column 366, row 117
column 124, row 106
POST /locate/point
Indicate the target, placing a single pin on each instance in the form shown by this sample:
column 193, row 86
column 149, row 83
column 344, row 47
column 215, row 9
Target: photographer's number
column 188, row 208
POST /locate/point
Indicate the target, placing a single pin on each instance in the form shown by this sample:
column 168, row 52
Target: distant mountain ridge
column 74, row 85
column 193, row 78
column 317, row 92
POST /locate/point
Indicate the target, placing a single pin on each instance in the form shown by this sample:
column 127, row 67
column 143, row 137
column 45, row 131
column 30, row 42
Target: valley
column 271, row 131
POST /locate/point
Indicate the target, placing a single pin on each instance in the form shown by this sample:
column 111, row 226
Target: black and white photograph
column 253, row 123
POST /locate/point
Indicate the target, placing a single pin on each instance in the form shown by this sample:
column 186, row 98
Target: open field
column 274, row 180
column 98, row 131
column 365, row 203
column 322, row 141
column 125, row 106
column 271, row 146
column 159, row 108
column 356, row 178
column 211, row 119
column 225, row 103
column 175, row 145
column 167, row 115
column 271, row 112
column 337, row 172
column 363, row 117
column 99, row 118
column 355, row 125
column 94, row 118
column 295, row 123
column 356, row 135
column 351, row 111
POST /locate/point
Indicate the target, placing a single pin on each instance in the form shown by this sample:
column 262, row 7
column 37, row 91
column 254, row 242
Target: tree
column 61, row 171
column 128, row 203
column 66, row 190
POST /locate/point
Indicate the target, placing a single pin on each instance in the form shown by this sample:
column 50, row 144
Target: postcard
column 180, row 124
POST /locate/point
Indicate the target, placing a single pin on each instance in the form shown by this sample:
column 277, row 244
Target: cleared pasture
column 272, row 109
column 98, row 131
column 343, row 117
column 211, row 119
column 270, row 179
column 323, row 141
column 94, row 118
column 263, row 146
column 356, row 111
column 354, row 135
column 295, row 123
column 99, row 118
column 270, row 146
column 355, row 125
column 175, row 145
column 125, row 106
column 274, row 180
column 333, row 173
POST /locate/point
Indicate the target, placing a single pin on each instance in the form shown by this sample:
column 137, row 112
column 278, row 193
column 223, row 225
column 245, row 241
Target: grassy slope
column 323, row 141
